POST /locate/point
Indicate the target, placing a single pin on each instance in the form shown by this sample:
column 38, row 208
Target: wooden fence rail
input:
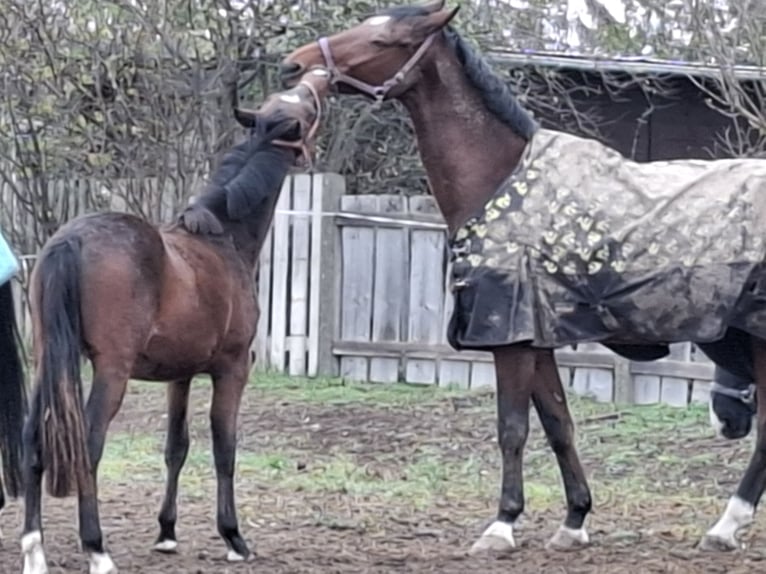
column 357, row 286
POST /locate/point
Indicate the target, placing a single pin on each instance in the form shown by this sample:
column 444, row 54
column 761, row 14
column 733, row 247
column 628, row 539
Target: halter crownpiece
column 378, row 92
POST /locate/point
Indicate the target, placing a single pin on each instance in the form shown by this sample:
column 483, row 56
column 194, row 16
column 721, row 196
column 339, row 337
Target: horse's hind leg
column 550, row 402
column 176, row 450
column 32, row 540
column 105, row 399
column 228, row 386
column 740, row 510
column 516, row 369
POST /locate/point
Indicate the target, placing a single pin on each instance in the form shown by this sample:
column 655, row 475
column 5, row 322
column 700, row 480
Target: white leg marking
column 167, row 546
column 715, row 422
column 233, row 556
column 569, row 538
column 498, row 537
column 722, row 536
column 34, row 556
column 102, row 564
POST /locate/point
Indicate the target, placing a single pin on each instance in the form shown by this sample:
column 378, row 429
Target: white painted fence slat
column 280, row 265
column 261, row 343
column 299, row 278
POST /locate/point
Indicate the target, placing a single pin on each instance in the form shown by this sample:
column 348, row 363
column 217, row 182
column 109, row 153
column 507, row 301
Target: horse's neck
column 466, row 150
column 249, row 235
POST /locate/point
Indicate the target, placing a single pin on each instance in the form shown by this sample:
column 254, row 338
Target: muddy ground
column 378, row 480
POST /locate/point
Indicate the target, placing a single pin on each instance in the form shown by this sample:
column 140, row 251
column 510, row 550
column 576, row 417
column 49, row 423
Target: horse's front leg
column 550, row 401
column 515, row 367
column 228, row 385
column 740, row 510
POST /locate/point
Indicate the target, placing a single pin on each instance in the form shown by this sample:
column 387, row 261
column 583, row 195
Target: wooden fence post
column 325, row 274
column 623, row 381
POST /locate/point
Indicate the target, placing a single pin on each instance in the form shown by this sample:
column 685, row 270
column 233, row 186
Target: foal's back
column 161, row 304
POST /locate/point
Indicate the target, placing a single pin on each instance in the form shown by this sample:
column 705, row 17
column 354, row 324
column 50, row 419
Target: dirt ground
column 416, row 483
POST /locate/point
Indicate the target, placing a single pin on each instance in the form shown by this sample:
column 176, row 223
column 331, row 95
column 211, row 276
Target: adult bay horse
column 487, row 161
column 13, row 400
column 159, row 304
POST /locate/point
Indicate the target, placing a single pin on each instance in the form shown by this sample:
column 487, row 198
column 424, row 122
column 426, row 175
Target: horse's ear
column 246, row 118
column 435, row 21
column 434, row 6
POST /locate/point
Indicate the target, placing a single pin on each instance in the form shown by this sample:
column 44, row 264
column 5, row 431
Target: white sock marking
column 715, row 422
column 233, row 556
column 34, row 556
column 738, row 514
column 576, row 534
column 166, row 546
column 497, row 537
column 102, row 564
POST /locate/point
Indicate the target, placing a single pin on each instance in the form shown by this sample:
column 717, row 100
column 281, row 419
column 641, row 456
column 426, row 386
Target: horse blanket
column 581, row 244
column 9, row 265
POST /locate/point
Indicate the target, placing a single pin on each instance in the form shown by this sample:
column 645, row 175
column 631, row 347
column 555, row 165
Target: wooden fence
column 356, row 286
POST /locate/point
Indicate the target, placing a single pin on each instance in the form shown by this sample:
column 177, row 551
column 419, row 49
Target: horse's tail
column 13, row 396
column 58, row 396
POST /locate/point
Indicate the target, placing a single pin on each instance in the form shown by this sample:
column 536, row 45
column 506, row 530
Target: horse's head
column 379, row 57
column 300, row 107
column 732, row 405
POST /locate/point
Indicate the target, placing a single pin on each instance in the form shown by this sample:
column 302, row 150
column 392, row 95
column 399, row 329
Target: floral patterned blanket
column 581, row 244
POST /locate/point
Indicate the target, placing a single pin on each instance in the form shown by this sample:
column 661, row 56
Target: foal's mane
column 250, row 173
column 494, row 92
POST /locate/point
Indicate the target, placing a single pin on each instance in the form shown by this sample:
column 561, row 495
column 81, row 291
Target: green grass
column 629, row 459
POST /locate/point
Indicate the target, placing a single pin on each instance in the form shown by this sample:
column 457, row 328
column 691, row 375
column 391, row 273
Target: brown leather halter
column 381, row 91
column 305, row 145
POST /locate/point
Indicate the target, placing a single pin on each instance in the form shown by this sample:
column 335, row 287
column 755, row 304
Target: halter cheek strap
column 306, row 144
column 378, row 92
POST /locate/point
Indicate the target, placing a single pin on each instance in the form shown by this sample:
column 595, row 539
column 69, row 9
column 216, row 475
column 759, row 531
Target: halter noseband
column 381, row 91
column 305, row 143
column 747, row 395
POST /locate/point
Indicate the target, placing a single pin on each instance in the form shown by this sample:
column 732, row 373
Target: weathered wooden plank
column 483, row 375
column 454, row 373
column 623, row 381
column 299, row 276
column 700, row 392
column 358, row 248
column 280, row 265
column 675, row 390
column 324, row 297
column 389, row 303
column 564, row 358
column 646, row 389
column 426, row 290
column 595, row 382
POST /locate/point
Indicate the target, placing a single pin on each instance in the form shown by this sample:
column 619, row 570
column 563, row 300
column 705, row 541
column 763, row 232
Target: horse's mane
column 251, row 172
column 494, row 92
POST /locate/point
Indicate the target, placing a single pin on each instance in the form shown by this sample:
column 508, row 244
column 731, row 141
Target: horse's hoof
column 712, row 543
column 568, row 539
column 102, row 564
column 234, row 556
column 496, row 539
column 167, row 546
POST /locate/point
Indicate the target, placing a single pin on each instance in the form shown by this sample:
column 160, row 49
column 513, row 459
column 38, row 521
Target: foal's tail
column 13, row 396
column 58, row 406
